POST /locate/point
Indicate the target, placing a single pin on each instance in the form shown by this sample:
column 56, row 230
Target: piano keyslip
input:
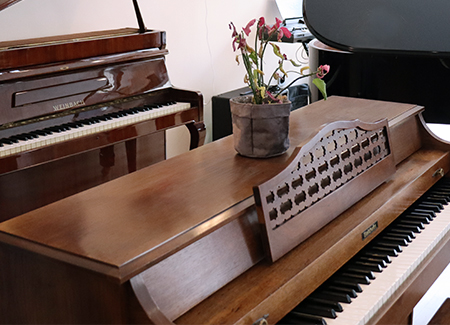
column 375, row 294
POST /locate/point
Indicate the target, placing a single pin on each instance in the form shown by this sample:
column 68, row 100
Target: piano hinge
column 439, row 172
column 262, row 320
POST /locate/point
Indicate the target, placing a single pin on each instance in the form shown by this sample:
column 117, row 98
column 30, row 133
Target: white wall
column 198, row 39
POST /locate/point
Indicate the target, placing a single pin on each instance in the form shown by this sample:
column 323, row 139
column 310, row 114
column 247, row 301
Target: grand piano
column 187, row 241
column 384, row 50
column 80, row 110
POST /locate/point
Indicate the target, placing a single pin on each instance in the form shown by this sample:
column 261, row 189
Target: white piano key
column 368, row 302
column 56, row 137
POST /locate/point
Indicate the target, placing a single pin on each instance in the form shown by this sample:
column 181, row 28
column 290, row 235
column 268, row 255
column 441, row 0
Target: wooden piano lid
column 48, row 50
column 6, row 3
column 122, row 227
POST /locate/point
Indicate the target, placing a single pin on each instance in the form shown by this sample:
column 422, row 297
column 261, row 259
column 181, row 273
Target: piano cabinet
column 144, row 248
column 48, row 94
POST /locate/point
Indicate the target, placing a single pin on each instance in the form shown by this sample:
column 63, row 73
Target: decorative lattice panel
column 340, row 165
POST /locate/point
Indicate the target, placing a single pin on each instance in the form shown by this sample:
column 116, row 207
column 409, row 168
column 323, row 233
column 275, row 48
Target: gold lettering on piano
column 68, row 105
column 369, row 230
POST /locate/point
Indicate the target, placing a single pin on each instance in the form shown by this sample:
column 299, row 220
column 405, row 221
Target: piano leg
column 198, row 133
column 107, row 159
column 130, row 146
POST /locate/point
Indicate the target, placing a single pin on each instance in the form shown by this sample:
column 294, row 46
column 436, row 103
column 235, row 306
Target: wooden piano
column 181, row 241
column 85, row 109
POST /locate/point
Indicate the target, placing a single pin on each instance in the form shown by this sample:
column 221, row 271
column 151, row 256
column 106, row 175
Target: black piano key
column 347, row 276
column 411, row 222
column 316, row 310
column 374, row 267
column 324, row 302
column 438, row 198
column 349, row 284
column 423, row 219
column 377, row 255
column 412, row 228
column 394, row 240
column 42, row 132
column 383, row 250
column 429, row 206
column 359, row 270
column 431, row 216
column 428, row 211
column 335, row 296
column 20, row 137
column 302, row 319
column 340, row 290
column 401, row 231
column 9, row 141
column 382, row 245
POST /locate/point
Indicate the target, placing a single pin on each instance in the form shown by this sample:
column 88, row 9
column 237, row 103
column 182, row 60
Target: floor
column 433, row 299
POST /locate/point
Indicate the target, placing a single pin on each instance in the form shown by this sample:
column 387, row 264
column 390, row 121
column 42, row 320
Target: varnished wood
column 114, row 234
column 63, row 79
column 75, row 47
column 340, row 159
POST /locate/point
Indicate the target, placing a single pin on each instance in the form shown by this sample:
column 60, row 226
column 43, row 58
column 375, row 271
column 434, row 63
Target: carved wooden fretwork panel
column 334, row 158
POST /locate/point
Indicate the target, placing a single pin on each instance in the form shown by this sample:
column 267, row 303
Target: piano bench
column 442, row 316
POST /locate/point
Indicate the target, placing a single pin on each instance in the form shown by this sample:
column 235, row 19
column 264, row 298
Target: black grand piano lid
column 381, row 26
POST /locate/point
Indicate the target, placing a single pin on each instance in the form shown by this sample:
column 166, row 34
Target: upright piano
column 79, row 110
column 384, row 50
column 184, row 242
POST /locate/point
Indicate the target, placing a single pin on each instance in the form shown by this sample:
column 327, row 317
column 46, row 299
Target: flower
column 253, row 59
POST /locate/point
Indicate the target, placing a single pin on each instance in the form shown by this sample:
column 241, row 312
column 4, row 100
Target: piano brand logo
column 68, row 105
column 369, row 230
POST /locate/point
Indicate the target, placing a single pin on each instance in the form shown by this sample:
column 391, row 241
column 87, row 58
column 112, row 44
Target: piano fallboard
column 172, row 220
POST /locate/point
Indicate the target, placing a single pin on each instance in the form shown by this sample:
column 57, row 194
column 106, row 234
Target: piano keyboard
column 51, row 135
column 357, row 291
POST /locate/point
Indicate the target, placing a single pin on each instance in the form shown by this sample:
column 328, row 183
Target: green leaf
column 320, row 84
column 253, row 56
column 276, row 50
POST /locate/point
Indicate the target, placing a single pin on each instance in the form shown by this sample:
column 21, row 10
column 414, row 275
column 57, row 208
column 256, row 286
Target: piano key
column 374, row 267
column 325, row 302
column 302, row 319
column 369, row 256
column 373, row 296
column 348, row 284
column 13, row 145
column 341, row 290
column 358, row 278
column 426, row 211
column 423, row 219
column 412, row 228
column 335, row 296
column 316, row 310
column 360, row 270
column 401, row 231
column 383, row 244
column 412, row 222
column 438, row 198
column 429, row 206
column 383, row 250
column 394, row 240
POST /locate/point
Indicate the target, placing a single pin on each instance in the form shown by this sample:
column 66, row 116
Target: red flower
column 322, row 71
column 247, row 28
column 284, row 32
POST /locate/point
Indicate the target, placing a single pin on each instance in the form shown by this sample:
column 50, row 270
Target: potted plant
column 261, row 120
